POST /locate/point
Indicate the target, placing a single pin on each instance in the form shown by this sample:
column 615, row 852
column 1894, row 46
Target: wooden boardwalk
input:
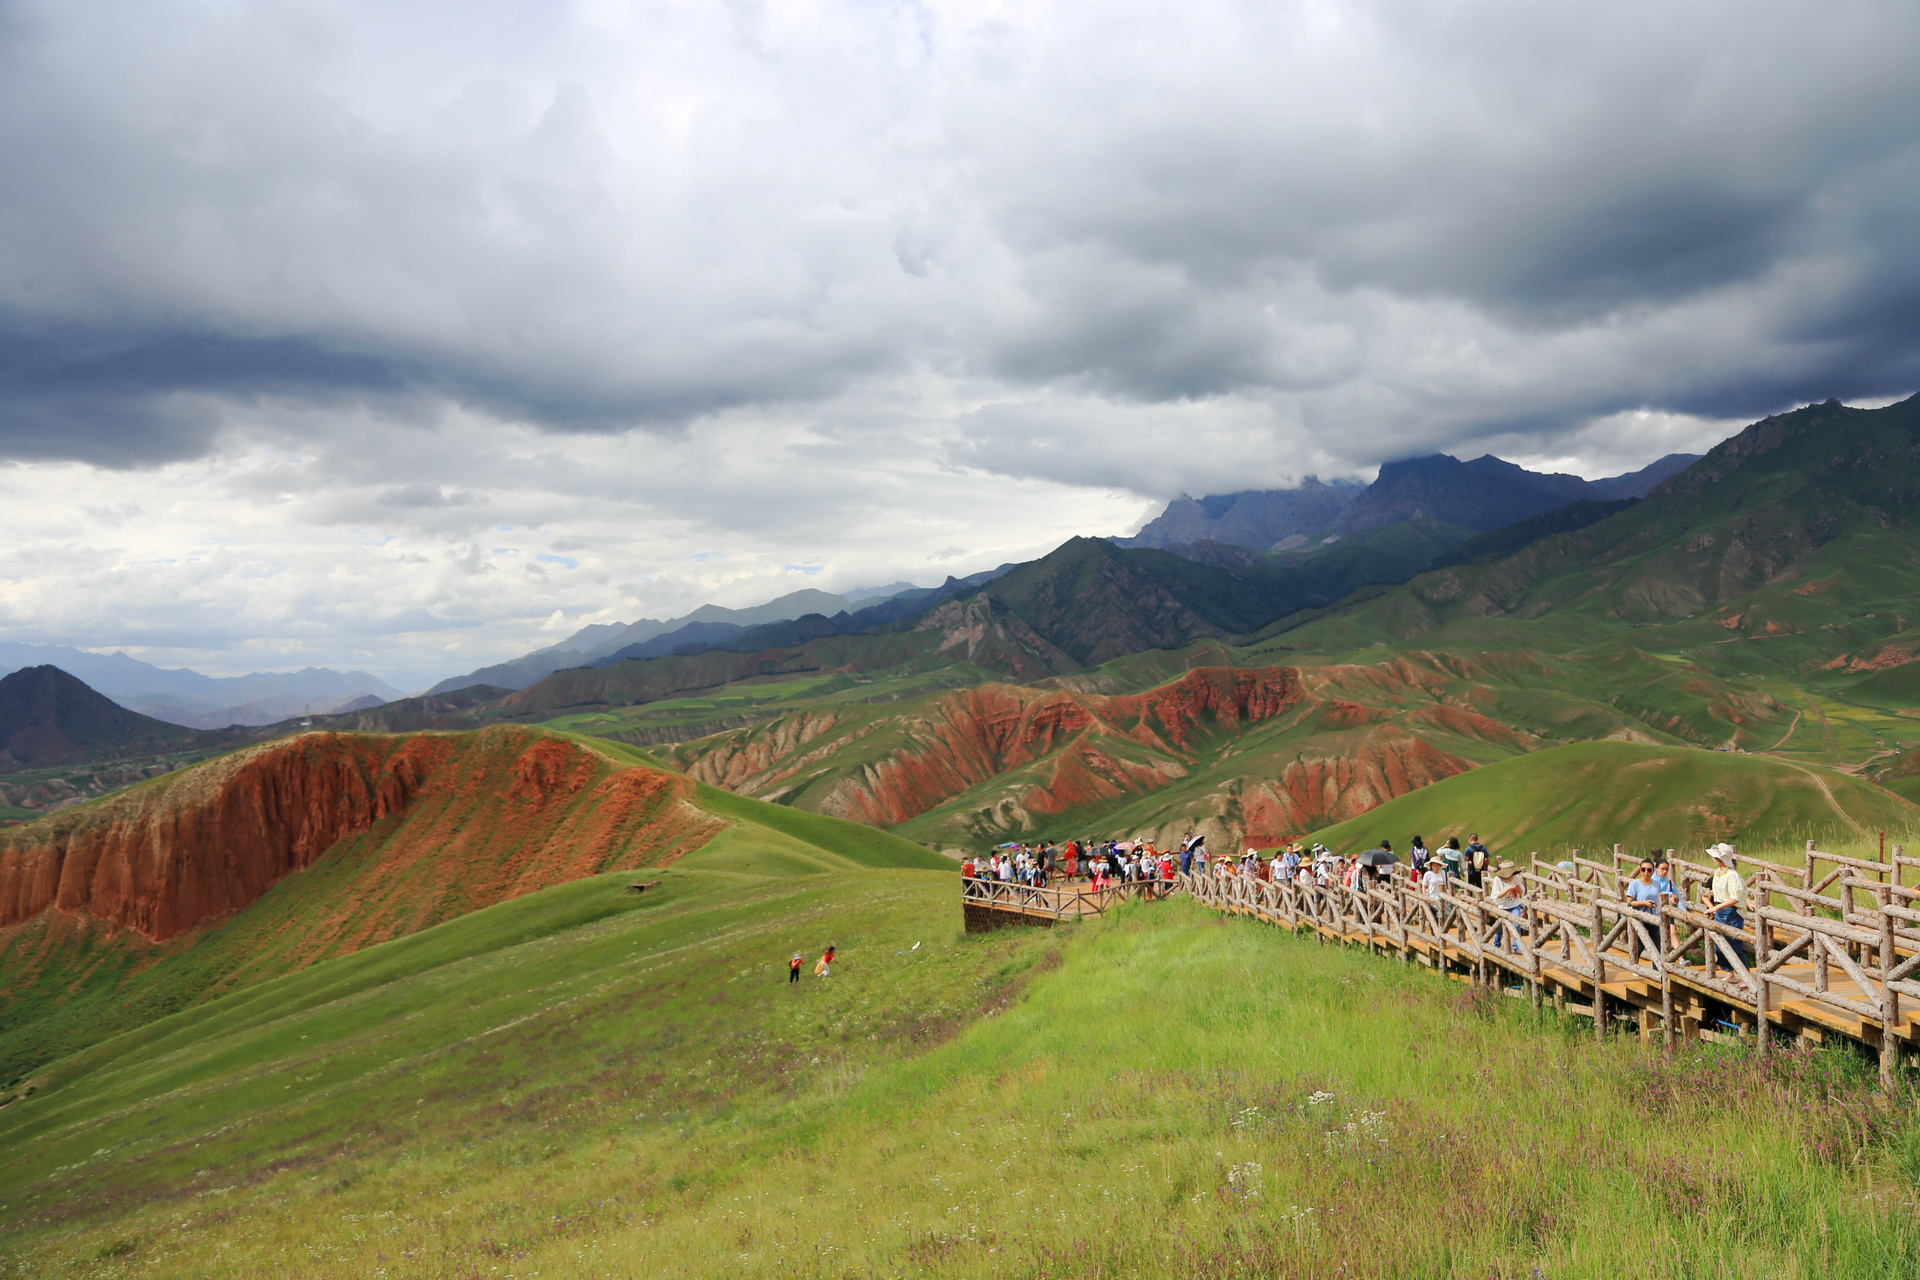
column 1830, row 948
column 993, row 904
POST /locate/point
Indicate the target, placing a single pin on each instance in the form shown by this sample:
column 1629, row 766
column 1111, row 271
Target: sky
column 410, row 337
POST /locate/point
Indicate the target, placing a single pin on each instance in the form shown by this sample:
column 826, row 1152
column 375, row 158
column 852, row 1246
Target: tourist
column 1642, row 892
column 1451, row 856
column 1507, row 892
column 1727, row 891
column 825, row 968
column 1290, row 862
column 1476, row 860
column 1663, row 879
column 1434, row 882
column 793, row 969
column 1419, row 856
column 1187, row 842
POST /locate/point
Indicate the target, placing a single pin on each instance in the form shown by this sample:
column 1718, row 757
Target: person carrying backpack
column 1476, row 862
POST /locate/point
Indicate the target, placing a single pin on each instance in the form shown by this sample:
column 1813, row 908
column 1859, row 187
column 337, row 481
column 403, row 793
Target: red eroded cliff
column 1317, row 792
column 455, row 820
column 984, row 732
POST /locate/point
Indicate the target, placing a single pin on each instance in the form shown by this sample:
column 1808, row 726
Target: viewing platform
column 996, row 904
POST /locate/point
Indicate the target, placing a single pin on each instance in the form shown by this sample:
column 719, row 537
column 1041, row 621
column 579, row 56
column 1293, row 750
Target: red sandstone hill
column 1063, row 749
column 456, row 822
column 1245, row 754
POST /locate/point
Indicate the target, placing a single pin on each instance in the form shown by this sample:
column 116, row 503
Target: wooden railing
column 1829, row 948
column 1060, row 901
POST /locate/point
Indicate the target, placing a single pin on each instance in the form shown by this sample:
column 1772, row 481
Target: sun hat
column 1721, row 852
column 1506, row 868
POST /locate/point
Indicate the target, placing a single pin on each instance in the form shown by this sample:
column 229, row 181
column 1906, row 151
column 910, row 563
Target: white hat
column 1722, row 852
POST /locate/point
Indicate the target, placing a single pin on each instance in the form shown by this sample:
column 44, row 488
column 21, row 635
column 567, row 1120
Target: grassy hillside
column 1593, row 795
column 510, row 811
column 580, row 1083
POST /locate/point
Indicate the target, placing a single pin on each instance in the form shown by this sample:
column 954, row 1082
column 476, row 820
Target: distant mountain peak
column 49, row 718
column 1482, row 494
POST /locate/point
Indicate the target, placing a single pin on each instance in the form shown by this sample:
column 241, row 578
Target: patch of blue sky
column 805, row 568
column 568, row 561
column 704, row 556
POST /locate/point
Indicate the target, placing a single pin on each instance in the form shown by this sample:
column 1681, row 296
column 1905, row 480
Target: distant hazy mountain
column 710, row 624
column 878, row 611
column 1484, row 494
column 1256, row 518
column 49, row 718
column 185, row 697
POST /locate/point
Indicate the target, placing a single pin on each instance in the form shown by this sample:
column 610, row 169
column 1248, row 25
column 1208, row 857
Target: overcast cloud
column 411, row 336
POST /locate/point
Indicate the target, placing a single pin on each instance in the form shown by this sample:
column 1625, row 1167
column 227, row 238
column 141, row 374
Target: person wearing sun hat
column 1505, row 890
column 1727, row 890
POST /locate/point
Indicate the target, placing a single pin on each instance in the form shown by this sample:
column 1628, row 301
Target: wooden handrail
column 1773, row 972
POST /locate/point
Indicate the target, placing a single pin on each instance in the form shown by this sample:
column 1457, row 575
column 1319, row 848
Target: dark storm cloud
column 1353, row 230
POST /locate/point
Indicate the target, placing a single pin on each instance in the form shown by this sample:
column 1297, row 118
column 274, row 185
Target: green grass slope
column 1593, row 795
column 581, row 1084
column 67, row 982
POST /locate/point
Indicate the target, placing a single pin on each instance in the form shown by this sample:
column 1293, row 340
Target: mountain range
column 183, row 697
column 1482, row 495
column 1734, row 602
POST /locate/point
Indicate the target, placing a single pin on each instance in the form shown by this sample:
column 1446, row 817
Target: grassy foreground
column 1166, row 1093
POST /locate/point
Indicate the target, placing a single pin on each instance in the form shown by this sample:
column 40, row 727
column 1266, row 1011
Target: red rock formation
column 1318, row 792
column 978, row 734
column 458, row 820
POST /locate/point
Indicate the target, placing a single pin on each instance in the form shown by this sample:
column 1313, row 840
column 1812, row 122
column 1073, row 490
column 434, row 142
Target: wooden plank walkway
column 1830, row 948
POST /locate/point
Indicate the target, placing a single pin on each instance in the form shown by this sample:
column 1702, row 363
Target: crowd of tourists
column 1102, row 863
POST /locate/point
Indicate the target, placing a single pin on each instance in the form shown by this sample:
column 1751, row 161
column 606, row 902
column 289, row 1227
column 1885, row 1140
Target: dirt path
column 1789, row 733
column 1826, row 791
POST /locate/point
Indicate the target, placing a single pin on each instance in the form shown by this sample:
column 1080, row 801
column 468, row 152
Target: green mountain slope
column 495, row 815
column 582, row 1083
column 1593, row 795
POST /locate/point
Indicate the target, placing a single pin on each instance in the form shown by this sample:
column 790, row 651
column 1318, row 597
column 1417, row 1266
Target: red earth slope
column 1094, row 747
column 450, row 823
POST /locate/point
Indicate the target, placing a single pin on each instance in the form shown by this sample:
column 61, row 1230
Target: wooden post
column 1599, row 979
column 1533, row 954
column 1763, row 997
column 1666, row 979
column 1889, row 1002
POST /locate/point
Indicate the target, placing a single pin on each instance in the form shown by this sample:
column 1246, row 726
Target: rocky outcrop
column 453, row 821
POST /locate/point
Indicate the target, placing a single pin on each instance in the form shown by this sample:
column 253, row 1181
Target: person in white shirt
column 1506, row 890
column 1435, row 881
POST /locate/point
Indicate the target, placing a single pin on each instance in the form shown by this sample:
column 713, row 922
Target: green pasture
column 1593, row 795
column 583, row 1083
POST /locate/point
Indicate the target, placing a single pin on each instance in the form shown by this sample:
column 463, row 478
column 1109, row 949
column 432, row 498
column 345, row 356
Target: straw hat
column 1506, row 869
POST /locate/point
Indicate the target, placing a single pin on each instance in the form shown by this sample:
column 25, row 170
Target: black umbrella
column 1378, row 858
